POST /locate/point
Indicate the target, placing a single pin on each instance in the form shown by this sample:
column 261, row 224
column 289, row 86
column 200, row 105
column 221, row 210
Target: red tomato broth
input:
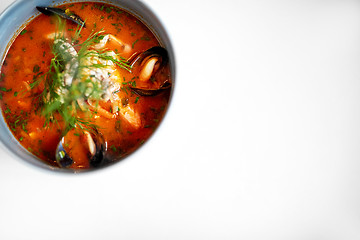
column 29, row 56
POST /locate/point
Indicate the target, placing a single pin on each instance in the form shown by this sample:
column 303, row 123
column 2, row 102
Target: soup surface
column 82, row 97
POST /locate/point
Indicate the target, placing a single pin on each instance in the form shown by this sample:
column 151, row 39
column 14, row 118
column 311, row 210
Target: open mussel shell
column 62, row 13
column 137, row 60
column 98, row 158
column 151, row 52
column 62, row 158
column 151, row 92
column 96, row 147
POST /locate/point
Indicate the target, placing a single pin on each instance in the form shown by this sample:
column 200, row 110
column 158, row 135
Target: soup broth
column 89, row 89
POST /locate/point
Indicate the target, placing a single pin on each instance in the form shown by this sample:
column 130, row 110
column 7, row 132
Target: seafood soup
column 83, row 85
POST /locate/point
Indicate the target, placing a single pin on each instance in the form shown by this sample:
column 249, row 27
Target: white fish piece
column 70, row 56
column 106, row 77
column 109, row 37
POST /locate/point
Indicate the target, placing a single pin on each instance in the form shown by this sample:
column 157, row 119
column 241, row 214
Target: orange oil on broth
column 29, row 56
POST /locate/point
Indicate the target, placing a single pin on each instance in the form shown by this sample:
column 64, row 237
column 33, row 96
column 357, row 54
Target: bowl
column 21, row 12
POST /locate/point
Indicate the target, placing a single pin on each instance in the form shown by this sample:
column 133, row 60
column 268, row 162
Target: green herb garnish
column 133, row 45
column 64, row 101
column 36, row 68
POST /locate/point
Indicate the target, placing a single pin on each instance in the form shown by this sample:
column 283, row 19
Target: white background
column 261, row 140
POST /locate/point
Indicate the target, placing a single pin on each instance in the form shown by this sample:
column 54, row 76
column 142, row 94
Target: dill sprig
column 104, row 55
column 61, row 99
column 121, row 62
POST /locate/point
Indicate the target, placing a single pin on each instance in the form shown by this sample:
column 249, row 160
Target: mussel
column 92, row 144
column 147, row 66
column 62, row 13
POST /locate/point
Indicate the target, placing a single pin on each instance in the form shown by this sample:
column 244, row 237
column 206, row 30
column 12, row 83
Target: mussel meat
column 147, row 66
column 62, row 13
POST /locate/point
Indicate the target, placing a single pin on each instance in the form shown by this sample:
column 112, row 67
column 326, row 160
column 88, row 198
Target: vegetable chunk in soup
column 82, row 96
